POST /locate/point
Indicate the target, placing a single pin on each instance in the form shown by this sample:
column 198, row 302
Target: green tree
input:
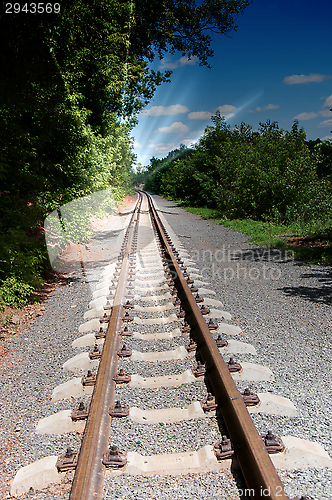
column 68, row 82
column 158, row 168
column 83, row 65
column 269, row 175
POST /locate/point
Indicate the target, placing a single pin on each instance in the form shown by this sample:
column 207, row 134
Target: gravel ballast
column 284, row 310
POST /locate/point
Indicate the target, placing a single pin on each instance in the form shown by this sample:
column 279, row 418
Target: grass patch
column 314, row 247
column 262, row 233
column 206, row 213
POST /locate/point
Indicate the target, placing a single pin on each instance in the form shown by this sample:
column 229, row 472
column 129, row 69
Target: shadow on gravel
column 124, row 214
column 323, row 276
column 88, row 265
column 103, row 235
column 320, row 295
column 263, row 255
column 244, row 491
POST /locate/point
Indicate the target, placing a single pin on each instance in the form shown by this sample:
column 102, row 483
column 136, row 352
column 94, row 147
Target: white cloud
column 325, row 123
column 328, row 102
column 167, row 63
column 325, row 112
column 175, row 128
column 164, row 148
column 143, row 158
column 199, row 115
column 227, row 110
column 306, row 116
column 189, row 142
column 159, row 149
column 137, row 144
column 313, row 77
column 174, row 109
column 264, row 108
column 184, row 61
column 327, row 138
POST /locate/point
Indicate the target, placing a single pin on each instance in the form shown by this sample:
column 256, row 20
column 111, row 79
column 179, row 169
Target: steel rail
column 258, row 470
column 89, row 474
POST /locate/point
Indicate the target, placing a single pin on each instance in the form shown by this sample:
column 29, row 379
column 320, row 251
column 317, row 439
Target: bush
column 267, row 175
column 14, row 292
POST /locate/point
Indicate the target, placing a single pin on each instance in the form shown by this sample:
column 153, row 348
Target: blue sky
column 277, row 66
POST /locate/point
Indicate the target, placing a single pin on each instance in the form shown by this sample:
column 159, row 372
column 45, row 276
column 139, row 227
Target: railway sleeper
column 298, row 454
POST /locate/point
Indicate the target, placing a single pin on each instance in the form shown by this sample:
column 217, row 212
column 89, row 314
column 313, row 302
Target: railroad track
column 152, row 295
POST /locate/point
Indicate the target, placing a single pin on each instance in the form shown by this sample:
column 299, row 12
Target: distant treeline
column 270, row 174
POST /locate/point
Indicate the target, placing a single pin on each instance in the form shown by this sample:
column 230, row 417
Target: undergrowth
column 311, row 241
column 24, row 256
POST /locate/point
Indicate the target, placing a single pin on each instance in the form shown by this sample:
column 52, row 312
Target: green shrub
column 268, row 175
column 14, row 292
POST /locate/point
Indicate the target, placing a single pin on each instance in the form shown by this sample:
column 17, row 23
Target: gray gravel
column 27, row 381
column 188, row 487
column 164, row 397
column 285, row 313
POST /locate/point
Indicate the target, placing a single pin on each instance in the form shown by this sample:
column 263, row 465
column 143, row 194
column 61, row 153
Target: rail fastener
column 81, row 412
column 118, row 410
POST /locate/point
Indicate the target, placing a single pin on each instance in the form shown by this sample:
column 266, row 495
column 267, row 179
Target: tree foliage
column 158, row 167
column 88, row 66
column 71, row 86
column 265, row 175
column 322, row 150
